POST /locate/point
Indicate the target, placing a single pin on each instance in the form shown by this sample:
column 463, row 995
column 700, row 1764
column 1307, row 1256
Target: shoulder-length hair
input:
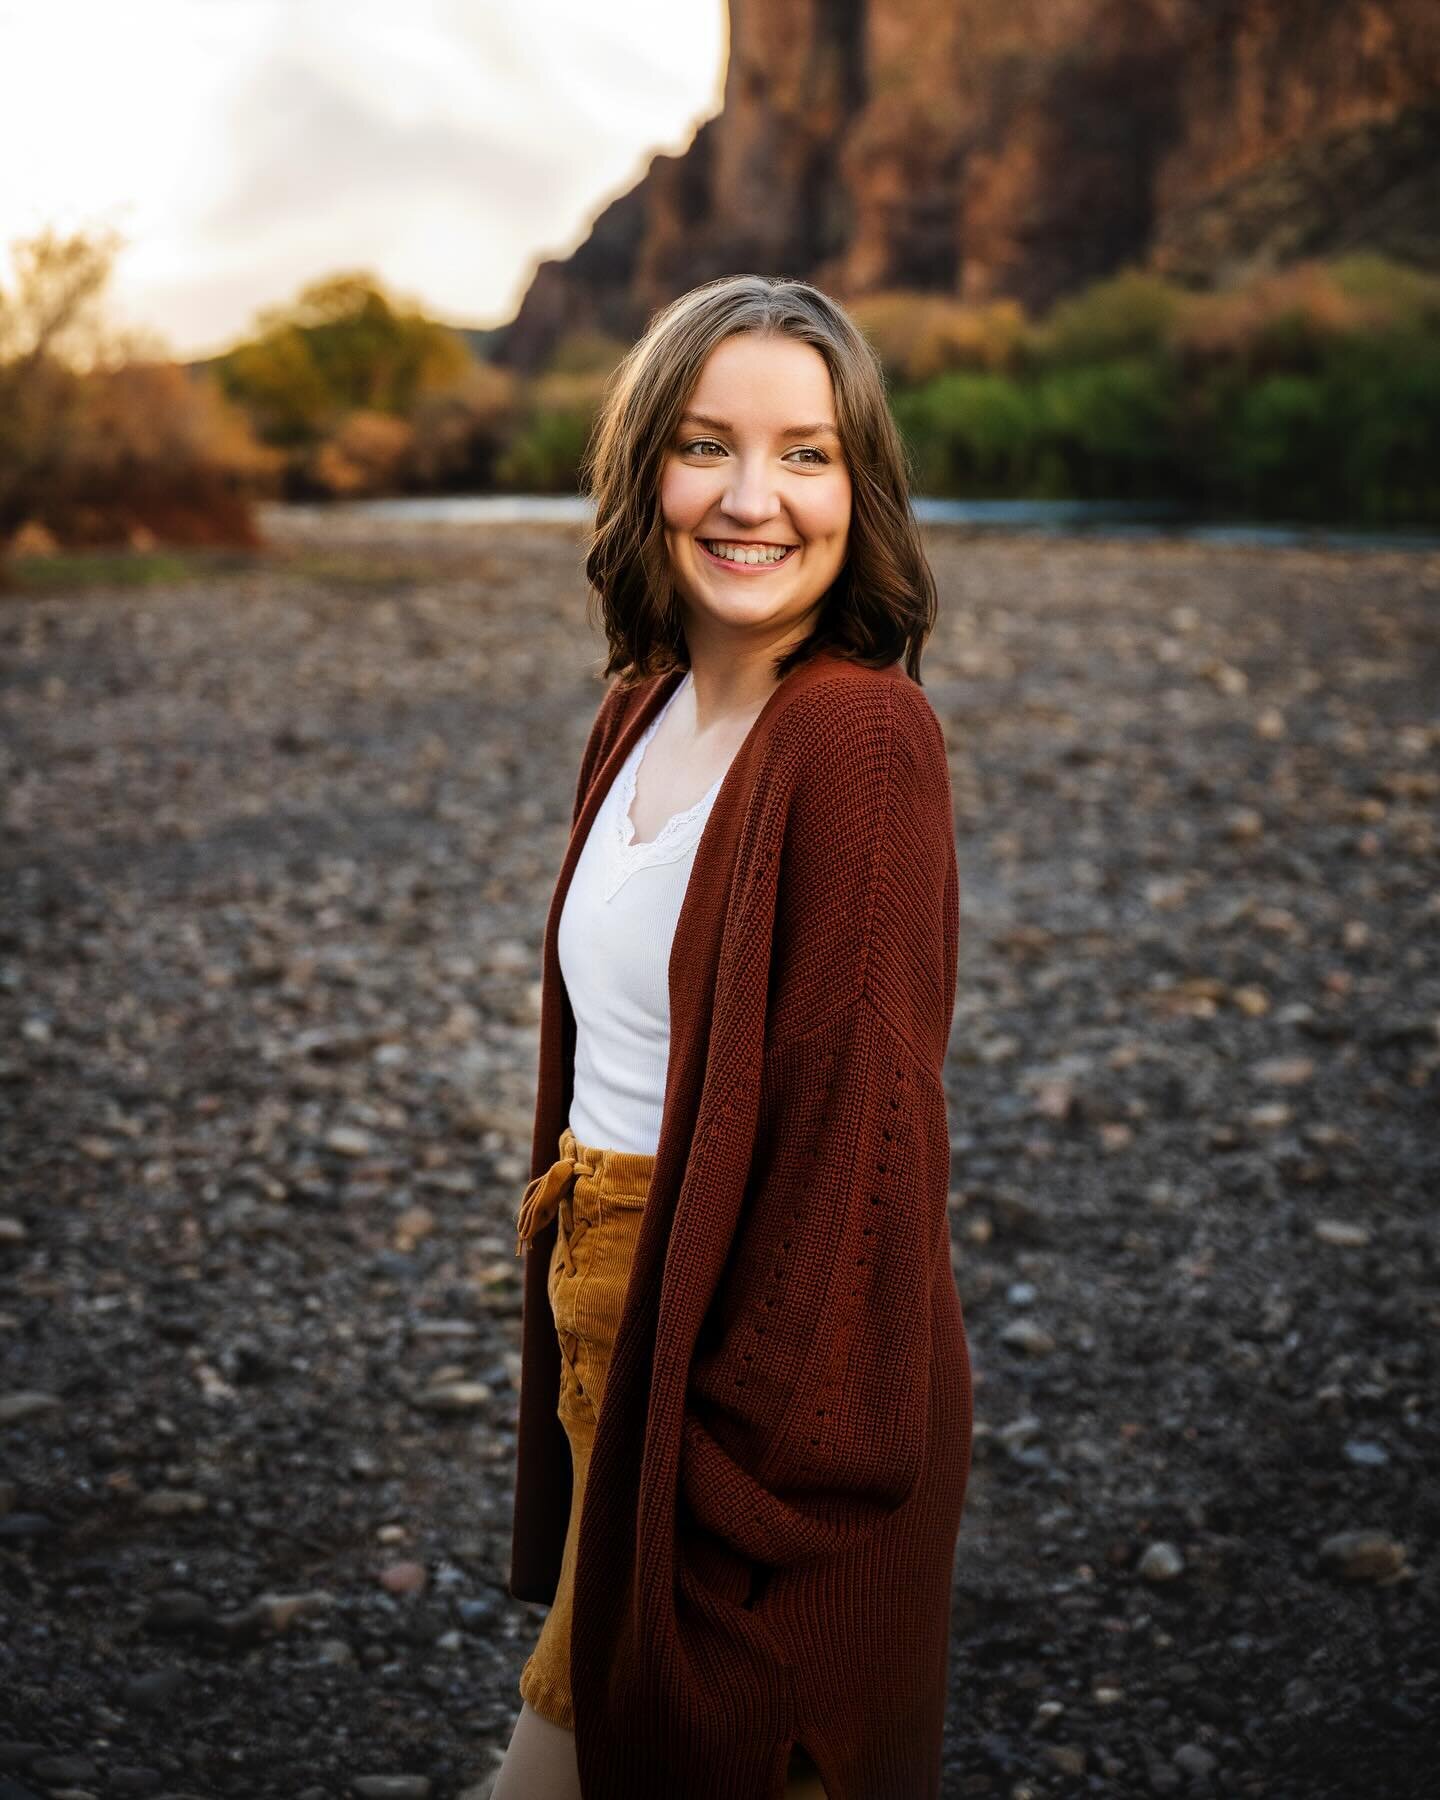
column 881, row 606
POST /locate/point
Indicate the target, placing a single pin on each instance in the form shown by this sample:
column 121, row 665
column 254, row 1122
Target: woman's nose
column 751, row 497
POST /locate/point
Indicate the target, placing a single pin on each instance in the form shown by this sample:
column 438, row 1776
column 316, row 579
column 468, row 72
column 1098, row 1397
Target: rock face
column 1024, row 148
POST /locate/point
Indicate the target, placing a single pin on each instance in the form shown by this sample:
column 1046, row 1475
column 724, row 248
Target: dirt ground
column 276, row 847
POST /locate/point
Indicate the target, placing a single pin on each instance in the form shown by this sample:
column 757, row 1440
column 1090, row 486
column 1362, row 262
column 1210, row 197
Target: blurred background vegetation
column 1312, row 393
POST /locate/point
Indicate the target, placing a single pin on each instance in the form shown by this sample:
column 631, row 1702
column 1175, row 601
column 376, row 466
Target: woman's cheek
column 683, row 498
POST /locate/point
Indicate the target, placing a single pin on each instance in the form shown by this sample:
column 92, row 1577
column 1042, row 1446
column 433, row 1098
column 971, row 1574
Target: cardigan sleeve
column 806, row 1405
column 597, row 743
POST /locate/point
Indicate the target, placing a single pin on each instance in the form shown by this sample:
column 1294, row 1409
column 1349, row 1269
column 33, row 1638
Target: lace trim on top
column 675, row 837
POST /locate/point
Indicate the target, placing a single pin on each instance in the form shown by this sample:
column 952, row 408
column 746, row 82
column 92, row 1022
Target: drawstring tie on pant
column 541, row 1200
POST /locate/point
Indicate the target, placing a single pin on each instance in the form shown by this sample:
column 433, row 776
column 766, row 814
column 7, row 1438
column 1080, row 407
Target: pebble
column 476, row 1615
column 1341, row 1234
column 282, row 1610
column 61, row 1771
column 414, row 1223
column 172, row 1503
column 1195, row 1761
column 177, row 1609
column 1021, row 1431
column 26, row 1403
column 1162, row 1561
column 138, row 1779
column 403, row 1578
column 1362, row 1555
column 15, row 1526
column 1026, row 1335
column 445, row 1328
column 454, row 1396
column 1284, row 1071
column 348, row 1140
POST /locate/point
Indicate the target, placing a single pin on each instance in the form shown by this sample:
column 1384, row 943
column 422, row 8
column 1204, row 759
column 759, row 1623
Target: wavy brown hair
column 881, row 606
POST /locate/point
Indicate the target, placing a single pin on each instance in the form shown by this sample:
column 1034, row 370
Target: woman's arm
column 806, row 1408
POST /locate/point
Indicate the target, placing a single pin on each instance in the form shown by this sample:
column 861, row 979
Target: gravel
column 275, row 851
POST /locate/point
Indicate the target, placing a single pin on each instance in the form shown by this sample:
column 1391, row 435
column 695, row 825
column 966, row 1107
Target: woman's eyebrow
column 821, row 425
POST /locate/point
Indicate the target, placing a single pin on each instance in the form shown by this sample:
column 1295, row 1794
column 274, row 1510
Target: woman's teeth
column 748, row 553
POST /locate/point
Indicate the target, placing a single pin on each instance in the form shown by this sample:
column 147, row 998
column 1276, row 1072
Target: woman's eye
column 703, row 446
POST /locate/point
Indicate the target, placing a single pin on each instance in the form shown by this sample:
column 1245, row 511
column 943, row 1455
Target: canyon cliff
column 1023, row 149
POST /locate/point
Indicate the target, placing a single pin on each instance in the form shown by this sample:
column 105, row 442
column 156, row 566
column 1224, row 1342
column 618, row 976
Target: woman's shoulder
column 834, row 712
column 852, row 710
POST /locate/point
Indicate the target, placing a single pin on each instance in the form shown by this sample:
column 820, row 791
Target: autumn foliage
column 101, row 440
column 1312, row 390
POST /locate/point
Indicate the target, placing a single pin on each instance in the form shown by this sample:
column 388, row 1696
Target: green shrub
column 545, row 455
column 969, row 433
column 1129, row 314
column 1396, row 294
column 1102, row 431
column 1384, row 394
column 1113, row 425
column 1359, row 439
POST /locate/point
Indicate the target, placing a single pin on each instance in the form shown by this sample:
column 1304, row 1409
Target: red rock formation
column 1024, row 148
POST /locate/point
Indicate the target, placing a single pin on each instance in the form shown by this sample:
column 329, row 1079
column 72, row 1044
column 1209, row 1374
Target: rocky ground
column 277, row 844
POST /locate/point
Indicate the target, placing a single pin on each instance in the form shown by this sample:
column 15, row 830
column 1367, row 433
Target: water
column 1092, row 518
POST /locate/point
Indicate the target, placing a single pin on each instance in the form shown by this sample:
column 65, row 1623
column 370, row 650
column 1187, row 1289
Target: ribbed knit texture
column 779, row 1469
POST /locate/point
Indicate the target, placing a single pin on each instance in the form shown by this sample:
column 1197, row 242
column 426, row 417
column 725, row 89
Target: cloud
column 249, row 147
column 305, row 148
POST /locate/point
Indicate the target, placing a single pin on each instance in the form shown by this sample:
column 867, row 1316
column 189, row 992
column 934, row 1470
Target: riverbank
column 277, row 847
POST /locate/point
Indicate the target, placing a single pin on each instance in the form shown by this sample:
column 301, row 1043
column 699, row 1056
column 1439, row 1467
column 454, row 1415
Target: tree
column 343, row 346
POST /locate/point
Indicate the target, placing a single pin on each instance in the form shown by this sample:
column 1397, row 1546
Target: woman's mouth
column 742, row 558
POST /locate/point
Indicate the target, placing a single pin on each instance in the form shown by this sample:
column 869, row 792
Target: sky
column 242, row 148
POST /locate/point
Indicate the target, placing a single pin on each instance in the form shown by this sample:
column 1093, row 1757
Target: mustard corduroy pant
column 599, row 1195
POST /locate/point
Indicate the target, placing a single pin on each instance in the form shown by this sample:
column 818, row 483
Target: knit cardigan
column 779, row 1469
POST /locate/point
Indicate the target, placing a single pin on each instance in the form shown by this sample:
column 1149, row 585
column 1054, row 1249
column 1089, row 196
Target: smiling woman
column 744, row 1425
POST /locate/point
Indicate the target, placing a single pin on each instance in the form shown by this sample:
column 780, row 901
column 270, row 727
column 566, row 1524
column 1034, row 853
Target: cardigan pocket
column 727, row 1587
column 720, row 1570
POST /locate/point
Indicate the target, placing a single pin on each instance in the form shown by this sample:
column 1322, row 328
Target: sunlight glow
column 245, row 147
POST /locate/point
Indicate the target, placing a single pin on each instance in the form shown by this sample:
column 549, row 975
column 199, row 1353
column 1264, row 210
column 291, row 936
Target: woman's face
column 754, row 492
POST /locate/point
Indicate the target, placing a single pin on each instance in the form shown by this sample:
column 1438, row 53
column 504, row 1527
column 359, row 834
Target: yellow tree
column 343, row 346
column 50, row 331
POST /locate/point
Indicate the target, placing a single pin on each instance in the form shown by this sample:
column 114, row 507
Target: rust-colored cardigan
column 780, row 1464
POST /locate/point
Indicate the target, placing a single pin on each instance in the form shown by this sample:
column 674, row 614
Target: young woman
column 745, row 1407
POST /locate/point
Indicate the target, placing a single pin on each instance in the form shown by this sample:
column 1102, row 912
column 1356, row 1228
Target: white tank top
column 616, row 930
